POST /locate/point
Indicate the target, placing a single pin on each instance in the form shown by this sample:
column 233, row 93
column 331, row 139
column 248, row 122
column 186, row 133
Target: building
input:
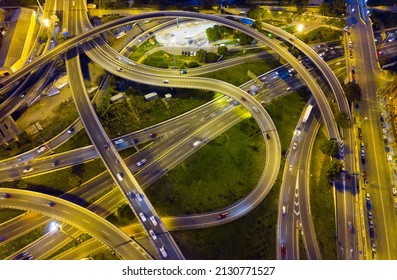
column 17, row 41
column 151, row 96
column 168, row 96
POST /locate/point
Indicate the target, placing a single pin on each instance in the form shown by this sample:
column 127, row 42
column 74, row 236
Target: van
column 163, row 252
column 120, row 176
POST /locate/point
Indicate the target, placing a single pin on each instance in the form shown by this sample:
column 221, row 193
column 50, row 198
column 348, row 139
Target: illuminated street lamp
column 299, row 29
column 46, row 22
column 362, row 121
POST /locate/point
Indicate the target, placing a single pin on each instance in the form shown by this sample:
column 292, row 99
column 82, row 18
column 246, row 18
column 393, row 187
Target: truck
column 307, row 113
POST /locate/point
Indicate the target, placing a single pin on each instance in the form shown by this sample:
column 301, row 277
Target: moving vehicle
column 163, row 252
column 120, row 69
column 51, row 204
column 152, row 234
column 152, row 135
column 71, row 130
column 55, row 163
column 307, row 113
column 5, row 195
column 284, row 210
column 283, row 249
column 153, row 220
column 294, row 146
column 120, row 176
column 143, row 217
column 41, row 149
column 350, row 226
column 141, row 162
column 165, row 81
column 196, row 143
column 28, row 169
column 222, row 215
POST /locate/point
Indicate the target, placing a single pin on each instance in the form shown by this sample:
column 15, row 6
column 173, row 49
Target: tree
column 201, row 55
column 325, row 9
column 212, row 57
column 222, row 50
column 342, row 120
column 212, row 34
column 330, row 147
column 334, row 170
column 352, row 92
column 193, row 64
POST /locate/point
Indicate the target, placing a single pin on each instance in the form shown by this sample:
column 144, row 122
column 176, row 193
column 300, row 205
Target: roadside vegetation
column 237, row 75
column 62, row 116
column 319, row 35
column 135, row 113
column 61, row 181
column 322, row 198
column 7, row 214
column 80, row 139
column 20, row 242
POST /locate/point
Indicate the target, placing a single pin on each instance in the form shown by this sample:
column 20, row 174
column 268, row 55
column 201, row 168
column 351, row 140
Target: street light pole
column 362, row 121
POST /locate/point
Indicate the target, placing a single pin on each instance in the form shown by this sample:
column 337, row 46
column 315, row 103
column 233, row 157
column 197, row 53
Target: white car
column 27, row 170
column 389, row 157
column 165, row 81
column 394, row 191
column 153, row 220
column 295, row 145
column 141, row 162
column 290, row 168
column 152, row 234
column 284, row 210
column 163, row 252
column 41, row 149
column 120, row 176
column 143, row 217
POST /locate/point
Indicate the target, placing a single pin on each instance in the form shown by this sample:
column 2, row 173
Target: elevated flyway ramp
column 306, row 76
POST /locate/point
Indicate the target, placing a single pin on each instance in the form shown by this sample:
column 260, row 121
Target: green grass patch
column 104, row 255
column 135, row 113
column 17, row 244
column 285, row 113
column 127, row 152
column 219, row 174
column 162, row 59
column 7, row 214
column 80, row 139
column 143, row 49
column 251, row 237
column 321, row 34
column 237, row 75
column 123, row 216
column 322, row 199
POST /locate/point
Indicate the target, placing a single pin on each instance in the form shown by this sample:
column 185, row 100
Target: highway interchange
column 104, row 147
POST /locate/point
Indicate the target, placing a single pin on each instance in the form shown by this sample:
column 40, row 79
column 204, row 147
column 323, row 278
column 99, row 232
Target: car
column 243, row 98
column 366, row 182
column 183, row 71
column 5, row 195
column 365, row 175
column 369, row 215
column 21, row 255
column 368, row 205
column 222, row 215
column 152, row 234
column 143, row 217
column 106, row 146
column 28, row 169
column 350, row 226
column 389, row 157
column 55, row 163
column 283, row 249
column 141, row 162
column 283, row 210
column 362, row 160
column 41, row 149
column 120, row 69
column 152, row 135
column 153, row 220
column 267, row 136
column 298, row 131
column 120, row 176
column 367, row 197
column 51, row 203
column 2, row 238
column 373, row 246
column 382, row 118
column 351, row 56
column 294, row 146
column 163, row 252
column 380, row 52
column 372, row 232
column 384, row 131
column 70, row 130
column 387, row 149
column 394, row 190
column 371, row 224
column 165, row 81
column 255, row 109
column 290, row 168
column 386, row 141
column 288, row 88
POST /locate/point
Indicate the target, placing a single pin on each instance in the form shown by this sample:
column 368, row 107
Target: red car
column 283, row 249
column 223, row 215
column 152, row 135
column 243, row 98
